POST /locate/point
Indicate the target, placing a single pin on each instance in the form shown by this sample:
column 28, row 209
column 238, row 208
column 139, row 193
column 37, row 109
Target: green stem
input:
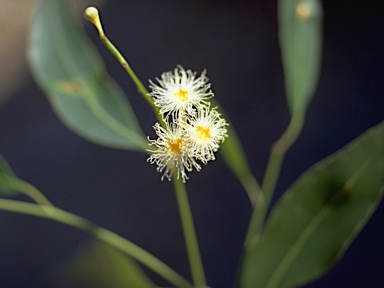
column 236, row 160
column 120, row 58
column 279, row 149
column 111, row 238
column 140, row 87
column 252, row 188
column 92, row 15
column 28, row 190
column 189, row 233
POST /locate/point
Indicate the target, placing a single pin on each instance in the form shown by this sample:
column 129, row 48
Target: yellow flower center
column 204, row 132
column 182, row 95
column 174, row 146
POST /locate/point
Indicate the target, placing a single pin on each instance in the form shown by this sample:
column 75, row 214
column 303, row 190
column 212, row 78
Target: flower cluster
column 192, row 130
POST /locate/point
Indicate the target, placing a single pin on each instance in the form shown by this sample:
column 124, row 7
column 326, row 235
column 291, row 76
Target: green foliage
column 236, row 160
column 6, row 179
column 318, row 217
column 98, row 265
column 73, row 77
column 300, row 35
column 309, row 229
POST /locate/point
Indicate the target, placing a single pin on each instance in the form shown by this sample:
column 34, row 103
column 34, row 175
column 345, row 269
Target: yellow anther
column 182, row 95
column 204, row 132
column 174, row 146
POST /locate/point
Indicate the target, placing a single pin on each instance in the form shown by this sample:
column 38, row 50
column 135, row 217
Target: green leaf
column 7, row 179
column 72, row 75
column 5, row 169
column 319, row 216
column 236, row 160
column 300, row 36
column 98, row 265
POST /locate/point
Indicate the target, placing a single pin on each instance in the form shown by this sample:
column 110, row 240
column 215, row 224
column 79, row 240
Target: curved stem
column 252, row 188
column 236, row 160
column 279, row 148
column 120, row 58
column 195, row 261
column 28, row 190
column 92, row 15
column 140, row 87
column 107, row 236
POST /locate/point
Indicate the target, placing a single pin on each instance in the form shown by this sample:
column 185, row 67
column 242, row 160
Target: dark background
column 236, row 41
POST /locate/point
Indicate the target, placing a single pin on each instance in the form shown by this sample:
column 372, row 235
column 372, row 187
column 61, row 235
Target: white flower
column 180, row 91
column 193, row 131
column 172, row 151
column 205, row 131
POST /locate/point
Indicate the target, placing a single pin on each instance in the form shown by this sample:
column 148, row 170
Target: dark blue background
column 236, row 42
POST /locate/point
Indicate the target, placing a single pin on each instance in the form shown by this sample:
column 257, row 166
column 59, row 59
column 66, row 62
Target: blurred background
column 236, row 41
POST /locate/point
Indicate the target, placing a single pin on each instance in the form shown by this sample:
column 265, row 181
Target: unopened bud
column 92, row 15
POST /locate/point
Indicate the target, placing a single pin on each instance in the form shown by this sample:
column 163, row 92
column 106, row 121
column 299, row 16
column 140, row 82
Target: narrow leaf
column 319, row 216
column 5, row 169
column 300, row 35
column 98, row 265
column 236, row 160
column 72, row 75
column 7, row 177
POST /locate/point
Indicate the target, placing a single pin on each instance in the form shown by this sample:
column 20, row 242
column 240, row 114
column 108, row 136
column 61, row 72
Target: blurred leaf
column 98, row 265
column 7, row 179
column 300, row 35
column 72, row 75
column 5, row 169
column 236, row 160
column 319, row 216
